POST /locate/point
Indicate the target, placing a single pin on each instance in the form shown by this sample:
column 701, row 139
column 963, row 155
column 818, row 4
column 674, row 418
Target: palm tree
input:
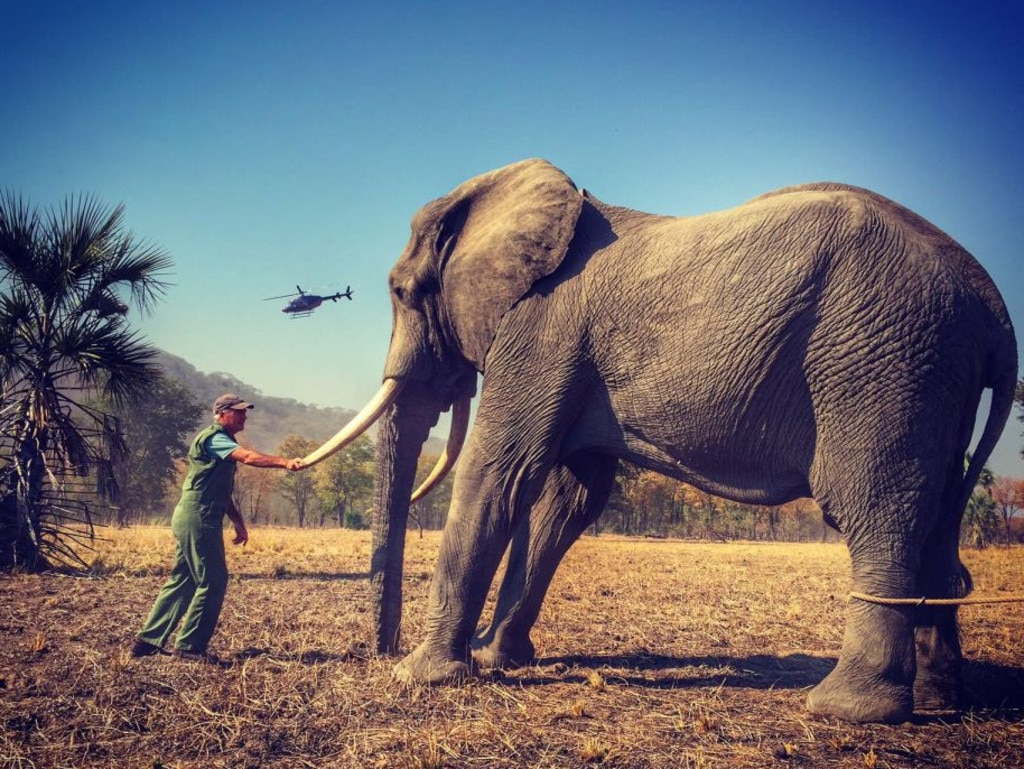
column 980, row 519
column 67, row 278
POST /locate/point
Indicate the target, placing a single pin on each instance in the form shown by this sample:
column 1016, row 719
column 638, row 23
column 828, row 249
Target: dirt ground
column 652, row 653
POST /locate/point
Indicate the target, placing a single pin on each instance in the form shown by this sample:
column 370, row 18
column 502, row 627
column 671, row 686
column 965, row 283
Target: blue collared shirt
column 220, row 444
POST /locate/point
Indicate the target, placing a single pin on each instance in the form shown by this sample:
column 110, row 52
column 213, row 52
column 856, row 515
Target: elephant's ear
column 502, row 232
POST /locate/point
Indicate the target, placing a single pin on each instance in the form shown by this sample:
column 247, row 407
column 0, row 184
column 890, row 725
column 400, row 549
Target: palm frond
column 106, row 356
column 139, row 268
column 66, row 279
column 18, row 236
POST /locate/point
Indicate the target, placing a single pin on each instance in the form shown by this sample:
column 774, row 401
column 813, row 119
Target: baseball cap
column 229, row 401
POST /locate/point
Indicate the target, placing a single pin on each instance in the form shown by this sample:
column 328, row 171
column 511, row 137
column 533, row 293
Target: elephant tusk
column 386, row 395
column 460, row 424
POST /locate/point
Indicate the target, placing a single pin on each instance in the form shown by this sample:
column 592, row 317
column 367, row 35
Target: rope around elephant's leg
column 923, row 601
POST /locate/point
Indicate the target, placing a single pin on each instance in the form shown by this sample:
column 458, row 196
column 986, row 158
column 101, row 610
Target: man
column 199, row 578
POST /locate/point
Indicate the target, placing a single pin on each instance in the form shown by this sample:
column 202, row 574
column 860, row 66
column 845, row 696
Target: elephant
column 817, row 341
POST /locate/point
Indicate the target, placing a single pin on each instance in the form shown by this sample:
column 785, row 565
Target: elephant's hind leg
column 939, row 684
column 884, row 470
column 573, row 497
column 873, row 680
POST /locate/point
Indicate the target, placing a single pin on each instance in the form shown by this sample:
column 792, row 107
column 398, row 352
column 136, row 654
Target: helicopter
column 304, row 303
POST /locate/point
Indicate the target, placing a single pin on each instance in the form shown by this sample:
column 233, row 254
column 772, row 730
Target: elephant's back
column 851, row 195
column 798, row 288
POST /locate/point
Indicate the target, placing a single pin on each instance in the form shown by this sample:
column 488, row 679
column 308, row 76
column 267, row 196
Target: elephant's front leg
column 474, row 538
column 573, row 497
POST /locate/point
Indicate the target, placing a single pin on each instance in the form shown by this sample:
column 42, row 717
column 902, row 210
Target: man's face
column 233, row 420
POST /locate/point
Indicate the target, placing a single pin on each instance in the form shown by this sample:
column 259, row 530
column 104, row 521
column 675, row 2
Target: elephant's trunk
column 386, row 395
column 402, row 431
column 447, row 460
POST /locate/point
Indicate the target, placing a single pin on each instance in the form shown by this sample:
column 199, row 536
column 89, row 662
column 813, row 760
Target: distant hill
column 274, row 418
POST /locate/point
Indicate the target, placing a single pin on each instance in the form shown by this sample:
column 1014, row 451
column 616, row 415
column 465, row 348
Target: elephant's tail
column 1001, row 377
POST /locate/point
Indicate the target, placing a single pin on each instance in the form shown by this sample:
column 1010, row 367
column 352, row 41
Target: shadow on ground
column 989, row 687
column 311, row 576
column 659, row 671
column 358, row 651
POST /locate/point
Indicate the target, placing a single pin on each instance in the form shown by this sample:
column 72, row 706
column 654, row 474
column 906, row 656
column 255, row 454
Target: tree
column 156, row 429
column 431, row 512
column 67, row 278
column 655, row 501
column 706, row 509
column 343, row 478
column 1008, row 496
column 981, row 521
column 297, row 488
column 253, row 486
column 1019, row 399
column 765, row 523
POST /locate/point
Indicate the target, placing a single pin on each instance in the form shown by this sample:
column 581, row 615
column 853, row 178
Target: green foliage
column 298, row 489
column 980, row 525
column 431, row 512
column 649, row 504
column 354, row 520
column 67, row 278
column 156, row 429
column 981, row 522
column 344, row 480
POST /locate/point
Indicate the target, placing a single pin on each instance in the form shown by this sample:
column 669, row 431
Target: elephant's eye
column 407, row 294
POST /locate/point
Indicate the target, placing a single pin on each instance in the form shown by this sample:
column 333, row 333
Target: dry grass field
column 653, row 653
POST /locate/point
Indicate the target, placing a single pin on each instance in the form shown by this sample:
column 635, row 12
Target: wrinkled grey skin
column 817, row 341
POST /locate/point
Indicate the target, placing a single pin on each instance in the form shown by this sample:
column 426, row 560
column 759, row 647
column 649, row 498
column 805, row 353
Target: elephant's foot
column 873, row 682
column 859, row 700
column 503, row 651
column 938, row 684
column 424, row 667
column 937, row 692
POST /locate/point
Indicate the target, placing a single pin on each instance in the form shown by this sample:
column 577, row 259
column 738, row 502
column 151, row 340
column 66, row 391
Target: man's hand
column 259, row 459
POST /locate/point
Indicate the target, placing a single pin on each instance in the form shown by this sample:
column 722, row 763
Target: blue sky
column 269, row 144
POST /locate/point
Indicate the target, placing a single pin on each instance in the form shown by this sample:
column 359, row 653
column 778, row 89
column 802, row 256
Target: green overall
column 199, row 578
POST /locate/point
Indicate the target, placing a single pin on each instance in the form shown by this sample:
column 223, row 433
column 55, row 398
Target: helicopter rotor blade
column 346, row 294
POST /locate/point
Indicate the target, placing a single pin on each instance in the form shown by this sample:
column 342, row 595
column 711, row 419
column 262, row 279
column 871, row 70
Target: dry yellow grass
column 653, row 653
